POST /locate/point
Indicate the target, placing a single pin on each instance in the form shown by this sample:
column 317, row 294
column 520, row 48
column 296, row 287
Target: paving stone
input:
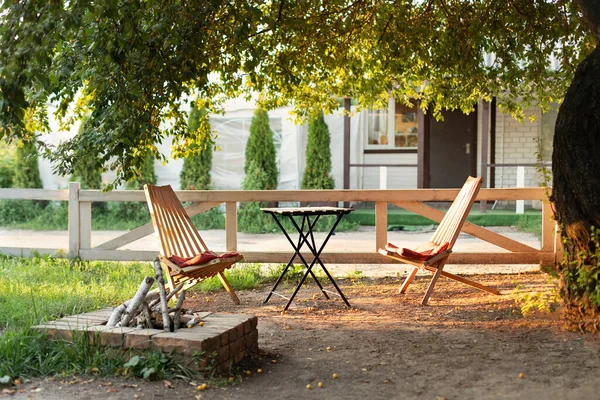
column 61, row 330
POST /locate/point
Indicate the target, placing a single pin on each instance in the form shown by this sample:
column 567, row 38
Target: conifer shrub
column 261, row 174
column 26, row 169
column 7, row 171
column 195, row 174
column 26, row 175
column 261, row 157
column 85, row 172
column 317, row 174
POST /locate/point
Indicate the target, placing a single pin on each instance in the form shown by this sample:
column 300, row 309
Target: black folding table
column 309, row 217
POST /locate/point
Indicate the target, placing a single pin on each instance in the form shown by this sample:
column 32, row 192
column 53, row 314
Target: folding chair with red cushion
column 184, row 256
column 432, row 256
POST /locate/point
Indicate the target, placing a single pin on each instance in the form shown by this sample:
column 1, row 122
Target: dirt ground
column 465, row 345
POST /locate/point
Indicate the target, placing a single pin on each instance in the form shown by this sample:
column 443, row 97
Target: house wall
column 516, row 143
column 397, row 177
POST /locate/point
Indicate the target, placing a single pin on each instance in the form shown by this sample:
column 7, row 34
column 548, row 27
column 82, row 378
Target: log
column 163, row 296
column 133, row 309
column 115, row 316
column 169, row 296
column 117, row 313
column 178, row 306
column 192, row 322
column 147, row 315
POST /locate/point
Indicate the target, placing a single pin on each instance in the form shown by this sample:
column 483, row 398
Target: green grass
column 397, row 217
column 39, row 289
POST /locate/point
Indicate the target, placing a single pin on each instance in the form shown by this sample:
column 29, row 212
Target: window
column 405, row 126
column 377, row 125
column 392, row 131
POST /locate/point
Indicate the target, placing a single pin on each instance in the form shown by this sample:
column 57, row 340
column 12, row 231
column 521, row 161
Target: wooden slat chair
column 179, row 237
column 433, row 255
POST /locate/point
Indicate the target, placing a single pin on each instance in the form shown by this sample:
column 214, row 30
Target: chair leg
column 228, row 287
column 408, row 280
column 436, row 275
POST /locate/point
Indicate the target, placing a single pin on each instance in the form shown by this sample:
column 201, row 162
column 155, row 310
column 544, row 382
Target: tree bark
column 591, row 13
column 133, row 309
column 576, row 192
column 163, row 296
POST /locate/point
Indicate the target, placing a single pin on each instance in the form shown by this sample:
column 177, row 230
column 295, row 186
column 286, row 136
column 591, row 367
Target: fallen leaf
column 9, row 391
column 168, row 384
column 112, row 390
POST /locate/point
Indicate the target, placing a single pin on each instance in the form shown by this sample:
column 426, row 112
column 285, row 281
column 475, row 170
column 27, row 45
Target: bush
column 147, row 174
column 7, row 171
column 26, row 169
column 135, row 211
column 317, row 174
column 85, row 171
column 261, row 165
column 261, row 174
column 13, row 212
column 195, row 173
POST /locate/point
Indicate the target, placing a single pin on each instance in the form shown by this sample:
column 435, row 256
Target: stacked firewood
column 149, row 309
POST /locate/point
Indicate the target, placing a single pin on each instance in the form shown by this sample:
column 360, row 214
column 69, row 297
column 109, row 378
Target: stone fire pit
column 223, row 340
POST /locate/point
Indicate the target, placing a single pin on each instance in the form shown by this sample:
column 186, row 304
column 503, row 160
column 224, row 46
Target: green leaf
column 147, row 372
column 133, row 361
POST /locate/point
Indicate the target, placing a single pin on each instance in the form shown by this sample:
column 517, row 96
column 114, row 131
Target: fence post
column 520, row 184
column 380, row 224
column 383, row 177
column 548, row 227
column 74, row 231
column 85, row 225
column 231, row 226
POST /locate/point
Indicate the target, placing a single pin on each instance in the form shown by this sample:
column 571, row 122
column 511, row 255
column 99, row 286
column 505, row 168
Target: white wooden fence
column 80, row 222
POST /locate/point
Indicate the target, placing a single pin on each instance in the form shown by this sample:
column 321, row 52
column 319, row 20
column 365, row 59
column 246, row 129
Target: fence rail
column 80, row 221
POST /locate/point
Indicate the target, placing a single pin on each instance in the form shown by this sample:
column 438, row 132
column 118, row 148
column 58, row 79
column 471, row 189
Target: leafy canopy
column 132, row 64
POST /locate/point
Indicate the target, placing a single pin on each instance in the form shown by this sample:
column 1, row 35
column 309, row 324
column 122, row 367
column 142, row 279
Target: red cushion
column 199, row 259
column 422, row 255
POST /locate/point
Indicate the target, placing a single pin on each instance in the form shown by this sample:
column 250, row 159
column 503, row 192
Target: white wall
column 516, row 143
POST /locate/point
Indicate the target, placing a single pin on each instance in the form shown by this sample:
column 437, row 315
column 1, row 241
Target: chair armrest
column 172, row 266
column 437, row 257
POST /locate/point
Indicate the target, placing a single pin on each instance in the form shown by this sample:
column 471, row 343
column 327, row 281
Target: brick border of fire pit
column 223, row 340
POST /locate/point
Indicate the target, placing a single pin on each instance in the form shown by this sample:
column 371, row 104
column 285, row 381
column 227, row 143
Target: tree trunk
column 576, row 194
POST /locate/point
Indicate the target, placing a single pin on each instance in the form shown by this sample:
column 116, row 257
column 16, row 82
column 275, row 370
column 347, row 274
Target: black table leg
column 317, row 254
column 301, row 240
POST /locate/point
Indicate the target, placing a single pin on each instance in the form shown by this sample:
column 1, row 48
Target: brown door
column 453, row 149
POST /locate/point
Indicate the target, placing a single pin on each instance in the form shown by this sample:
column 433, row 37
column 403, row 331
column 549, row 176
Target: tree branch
column 591, row 14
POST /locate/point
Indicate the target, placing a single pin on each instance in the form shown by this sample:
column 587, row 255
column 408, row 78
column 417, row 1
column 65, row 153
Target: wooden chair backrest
column 172, row 224
column 451, row 225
